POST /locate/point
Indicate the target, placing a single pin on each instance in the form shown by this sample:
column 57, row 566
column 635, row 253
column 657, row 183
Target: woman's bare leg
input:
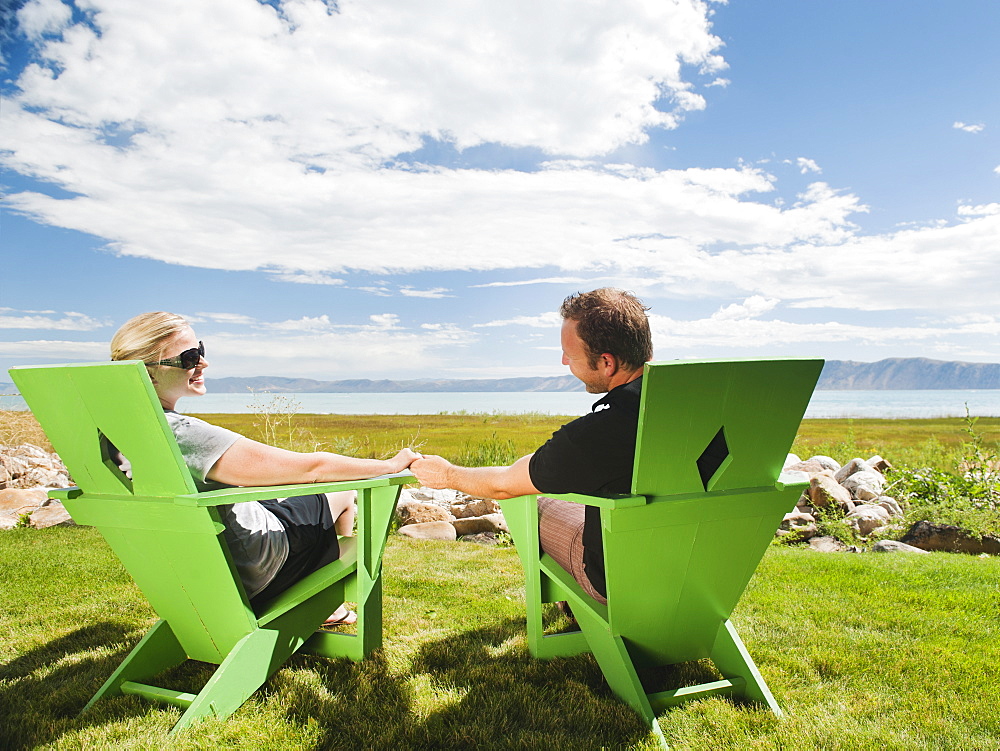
column 342, row 509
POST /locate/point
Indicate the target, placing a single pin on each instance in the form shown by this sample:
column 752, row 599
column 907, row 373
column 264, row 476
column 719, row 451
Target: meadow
column 861, row 651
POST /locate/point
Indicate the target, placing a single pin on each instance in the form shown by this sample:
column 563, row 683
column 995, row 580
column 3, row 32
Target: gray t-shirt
column 256, row 538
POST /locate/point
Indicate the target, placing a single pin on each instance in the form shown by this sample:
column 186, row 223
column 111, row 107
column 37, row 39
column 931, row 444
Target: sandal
column 340, row 617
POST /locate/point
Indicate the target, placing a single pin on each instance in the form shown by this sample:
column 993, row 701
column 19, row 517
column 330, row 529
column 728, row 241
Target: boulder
column 866, row 518
column 430, row 531
column 482, row 538
column 930, row 536
column 831, row 464
column 474, row 507
column 809, row 466
column 855, row 465
column 891, row 505
column 865, row 485
column 878, row 464
column 52, row 515
column 420, row 513
column 827, row 545
column 475, row 524
column 825, row 491
column 894, row 546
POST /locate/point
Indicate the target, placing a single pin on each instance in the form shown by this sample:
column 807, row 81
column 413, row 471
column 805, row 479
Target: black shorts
column 312, row 540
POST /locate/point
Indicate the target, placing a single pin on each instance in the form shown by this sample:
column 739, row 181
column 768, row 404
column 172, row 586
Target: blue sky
column 408, row 189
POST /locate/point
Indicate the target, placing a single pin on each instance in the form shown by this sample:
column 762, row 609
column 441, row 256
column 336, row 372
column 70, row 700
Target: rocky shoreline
column 852, row 493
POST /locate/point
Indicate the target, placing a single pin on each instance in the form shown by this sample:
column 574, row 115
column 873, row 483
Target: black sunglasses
column 187, row 359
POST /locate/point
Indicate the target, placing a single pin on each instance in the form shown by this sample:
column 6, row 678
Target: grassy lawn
column 861, row 651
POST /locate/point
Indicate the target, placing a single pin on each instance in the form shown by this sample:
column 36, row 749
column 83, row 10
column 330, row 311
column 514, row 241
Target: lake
column 824, row 404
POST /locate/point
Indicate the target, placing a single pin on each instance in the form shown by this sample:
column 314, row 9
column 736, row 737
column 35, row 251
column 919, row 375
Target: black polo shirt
column 592, row 455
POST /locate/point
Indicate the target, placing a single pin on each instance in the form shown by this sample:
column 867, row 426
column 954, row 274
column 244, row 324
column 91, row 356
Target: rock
column 789, row 460
column 894, row 546
column 444, row 497
column 867, row 518
column 482, row 538
column 930, row 536
column 855, row 465
column 476, row 524
column 474, row 507
column 824, row 491
column 803, row 525
column 831, row 464
column 430, row 531
column 420, row 513
column 809, row 467
column 891, row 505
column 865, row 485
column 878, row 464
column 827, row 545
column 52, row 515
column 22, row 500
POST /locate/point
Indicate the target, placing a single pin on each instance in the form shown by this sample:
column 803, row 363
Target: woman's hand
column 402, row 460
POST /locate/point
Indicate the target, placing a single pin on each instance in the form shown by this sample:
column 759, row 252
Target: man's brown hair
column 611, row 321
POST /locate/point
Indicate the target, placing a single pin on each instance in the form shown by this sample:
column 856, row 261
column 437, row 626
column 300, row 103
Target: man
column 605, row 342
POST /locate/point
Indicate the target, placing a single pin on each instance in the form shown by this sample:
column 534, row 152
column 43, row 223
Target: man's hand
column 432, row 471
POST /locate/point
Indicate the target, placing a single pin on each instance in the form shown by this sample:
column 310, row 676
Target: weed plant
column 17, row 427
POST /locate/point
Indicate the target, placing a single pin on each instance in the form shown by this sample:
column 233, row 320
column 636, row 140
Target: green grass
column 861, row 651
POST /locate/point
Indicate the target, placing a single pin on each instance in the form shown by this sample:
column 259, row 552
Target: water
column 824, row 404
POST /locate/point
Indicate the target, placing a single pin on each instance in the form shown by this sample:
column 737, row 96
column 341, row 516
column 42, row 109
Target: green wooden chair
column 169, row 538
column 679, row 552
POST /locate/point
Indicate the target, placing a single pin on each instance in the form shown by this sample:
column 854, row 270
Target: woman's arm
column 248, row 462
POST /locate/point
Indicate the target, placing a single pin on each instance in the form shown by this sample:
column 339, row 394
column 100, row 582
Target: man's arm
column 482, row 482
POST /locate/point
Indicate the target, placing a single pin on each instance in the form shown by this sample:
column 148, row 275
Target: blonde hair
column 144, row 336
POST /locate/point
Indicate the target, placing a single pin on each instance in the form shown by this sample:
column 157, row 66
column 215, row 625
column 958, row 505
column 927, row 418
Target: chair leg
column 157, row 651
column 250, row 663
column 619, row 670
column 521, row 516
column 732, row 659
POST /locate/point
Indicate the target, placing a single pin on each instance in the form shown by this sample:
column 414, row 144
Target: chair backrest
column 174, row 552
column 720, row 424
column 82, row 407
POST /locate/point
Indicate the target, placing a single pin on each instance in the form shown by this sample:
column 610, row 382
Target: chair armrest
column 225, row 496
column 616, row 501
column 64, row 494
column 792, row 477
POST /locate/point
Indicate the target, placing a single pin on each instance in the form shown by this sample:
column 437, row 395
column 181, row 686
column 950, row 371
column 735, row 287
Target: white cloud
column 39, row 17
column 235, row 319
column 45, row 319
column 670, row 335
column 807, row 165
column 53, row 349
column 546, row 280
column 546, row 320
column 969, row 128
column 986, row 209
column 220, row 135
column 433, row 294
column 752, row 307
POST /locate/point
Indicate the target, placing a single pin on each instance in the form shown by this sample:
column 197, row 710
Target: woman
column 273, row 543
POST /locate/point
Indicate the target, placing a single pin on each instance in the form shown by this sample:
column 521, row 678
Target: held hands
column 432, row 471
column 402, row 460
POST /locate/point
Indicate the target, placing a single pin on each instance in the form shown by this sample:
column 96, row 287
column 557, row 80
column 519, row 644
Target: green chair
column 169, row 538
column 679, row 551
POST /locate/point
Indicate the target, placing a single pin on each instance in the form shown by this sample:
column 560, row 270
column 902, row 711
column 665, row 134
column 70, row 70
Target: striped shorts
column 560, row 530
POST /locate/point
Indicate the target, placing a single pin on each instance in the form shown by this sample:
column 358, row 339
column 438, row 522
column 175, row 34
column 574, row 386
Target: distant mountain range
column 894, row 373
